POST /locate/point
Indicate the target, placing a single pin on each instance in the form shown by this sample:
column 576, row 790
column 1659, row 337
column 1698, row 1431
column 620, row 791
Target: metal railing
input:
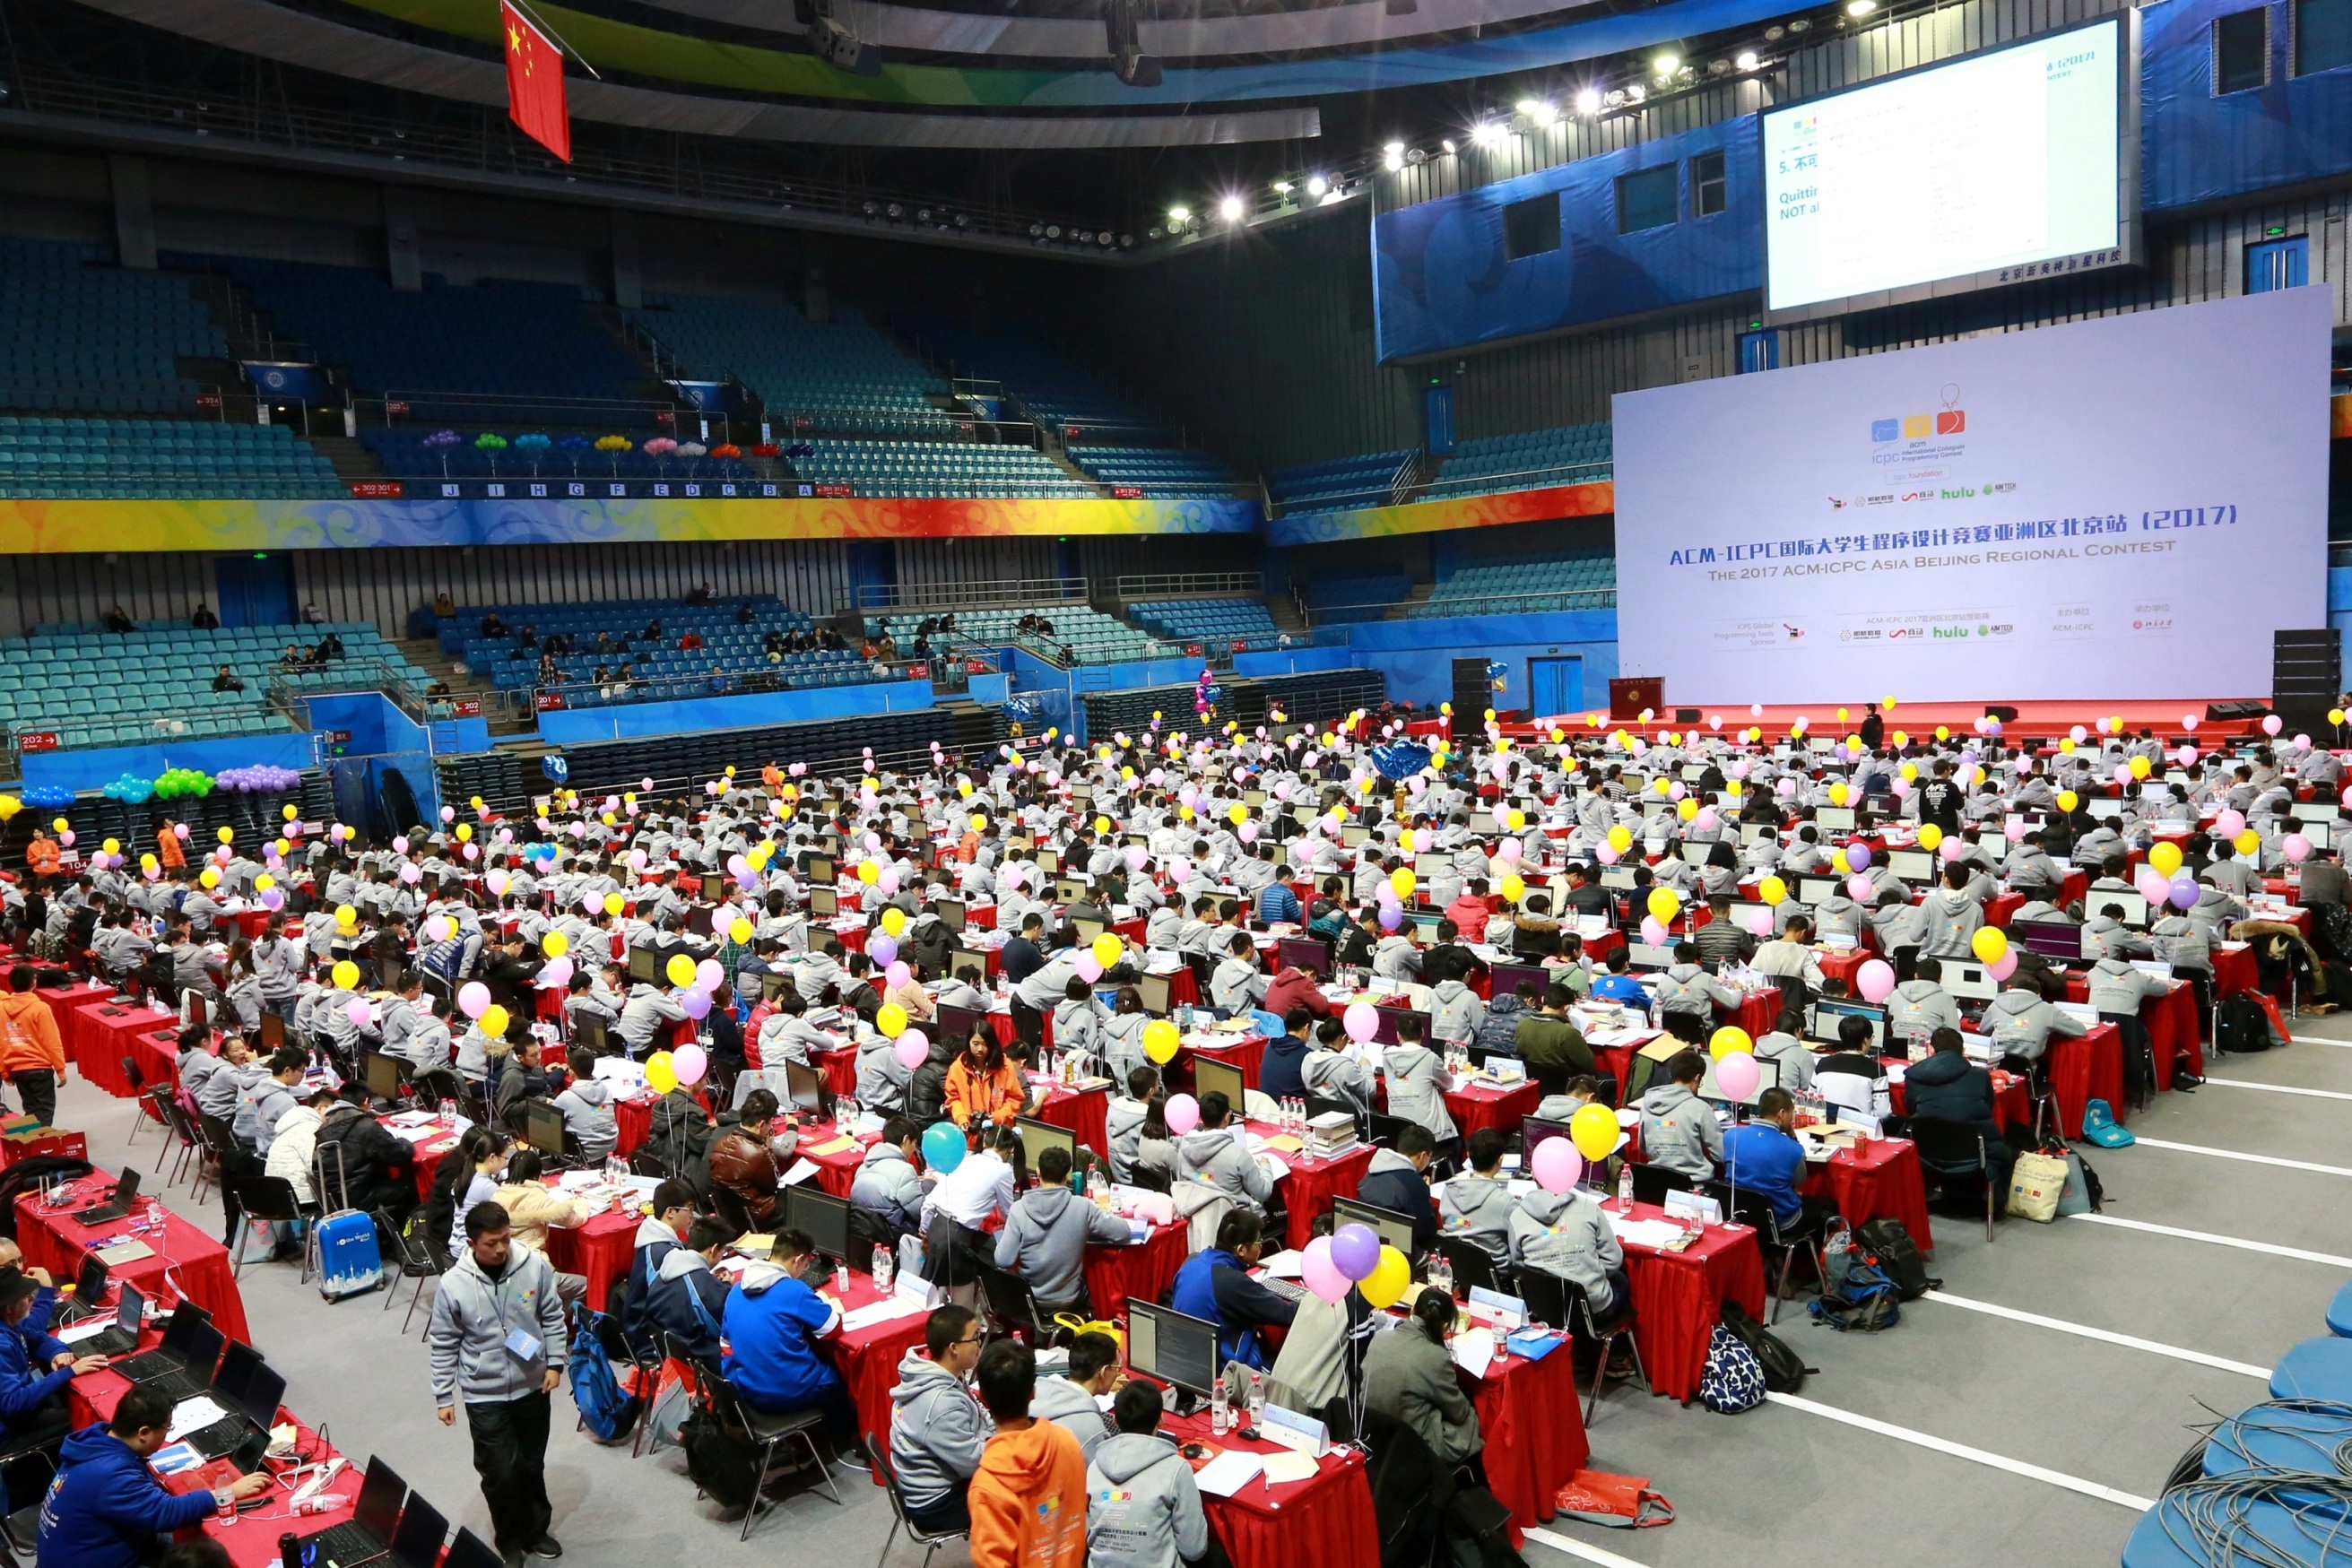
column 289, row 690
column 1381, row 492
column 394, row 408
column 1406, row 485
column 1004, row 591
column 740, row 681
column 1190, row 585
column 1325, row 615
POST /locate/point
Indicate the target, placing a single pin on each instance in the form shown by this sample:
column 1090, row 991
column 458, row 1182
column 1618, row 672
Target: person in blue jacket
column 34, row 1371
column 772, row 1322
column 1763, row 1156
column 106, row 1509
column 1216, row 1285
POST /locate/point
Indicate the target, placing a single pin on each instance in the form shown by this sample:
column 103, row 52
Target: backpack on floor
column 1784, row 1370
column 1887, row 1244
column 1856, row 1297
column 726, row 1468
column 2240, row 1027
column 351, row 1260
column 606, row 1411
column 1733, row 1380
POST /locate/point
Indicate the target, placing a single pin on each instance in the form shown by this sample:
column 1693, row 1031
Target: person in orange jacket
column 41, row 854
column 31, row 1057
column 981, row 1082
column 1028, row 1499
column 168, row 853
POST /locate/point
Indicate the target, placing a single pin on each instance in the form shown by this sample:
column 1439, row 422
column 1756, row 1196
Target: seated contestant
column 938, row 1429
column 772, row 1323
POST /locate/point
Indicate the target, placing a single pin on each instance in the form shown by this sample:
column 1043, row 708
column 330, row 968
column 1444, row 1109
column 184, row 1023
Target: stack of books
column 1329, row 1135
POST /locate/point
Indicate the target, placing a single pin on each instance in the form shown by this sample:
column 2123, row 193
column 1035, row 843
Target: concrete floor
column 1770, row 1487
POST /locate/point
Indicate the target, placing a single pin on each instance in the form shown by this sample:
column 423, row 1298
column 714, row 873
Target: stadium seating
column 1528, row 460
column 1161, row 471
column 937, row 468
column 403, row 453
column 1336, row 483
column 1357, row 596
column 73, row 455
column 78, row 334
column 497, row 338
column 1585, row 581
column 1053, row 391
column 94, row 688
column 1094, row 637
column 1216, row 623
column 659, row 672
column 843, row 377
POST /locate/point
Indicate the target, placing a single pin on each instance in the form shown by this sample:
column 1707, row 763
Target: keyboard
column 345, row 1546
column 220, row 1439
column 1288, row 1289
column 161, row 1369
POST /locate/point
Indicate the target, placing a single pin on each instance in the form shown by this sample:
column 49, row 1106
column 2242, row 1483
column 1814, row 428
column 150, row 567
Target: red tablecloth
column 157, row 1052
column 1881, row 1180
column 1477, row 1106
column 109, row 1033
column 1324, row 1522
column 599, row 1251
column 198, row 1265
column 2171, row 1023
column 1247, row 1051
column 1116, row 1275
column 2088, row 1069
column 1312, row 1184
column 1532, row 1419
column 867, row 1358
column 839, row 1067
column 1757, row 1013
column 1085, row 1111
column 67, row 1003
column 632, row 1123
column 2234, row 972
column 1677, row 1296
column 2013, row 1106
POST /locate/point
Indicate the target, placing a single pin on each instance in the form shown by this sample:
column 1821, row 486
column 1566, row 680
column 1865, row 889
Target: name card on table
column 1302, row 1434
column 1694, row 1205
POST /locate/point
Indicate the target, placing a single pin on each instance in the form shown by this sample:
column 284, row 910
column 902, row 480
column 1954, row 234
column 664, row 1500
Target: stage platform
column 2046, row 721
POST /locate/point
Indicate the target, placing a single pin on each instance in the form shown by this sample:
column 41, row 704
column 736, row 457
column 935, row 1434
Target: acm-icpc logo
column 1950, row 420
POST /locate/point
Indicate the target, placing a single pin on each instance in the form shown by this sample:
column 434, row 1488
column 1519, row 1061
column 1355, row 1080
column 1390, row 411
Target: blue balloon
column 1400, row 758
column 943, row 1146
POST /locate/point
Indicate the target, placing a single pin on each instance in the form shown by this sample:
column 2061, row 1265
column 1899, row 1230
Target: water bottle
column 1221, row 1415
column 1256, row 1398
column 1625, row 1188
column 884, row 1269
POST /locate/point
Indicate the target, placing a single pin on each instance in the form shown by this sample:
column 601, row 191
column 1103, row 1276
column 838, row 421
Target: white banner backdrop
column 2125, row 507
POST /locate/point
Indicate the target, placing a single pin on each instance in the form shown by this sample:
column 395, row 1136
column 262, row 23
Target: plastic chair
column 418, row 1260
column 764, row 1430
column 930, row 1541
column 1754, row 1209
column 1955, row 1152
column 264, row 1201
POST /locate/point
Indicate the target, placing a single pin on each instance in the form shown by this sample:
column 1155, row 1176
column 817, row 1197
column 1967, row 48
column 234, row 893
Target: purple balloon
column 1392, row 917
column 882, row 947
column 2185, row 893
column 1857, row 855
column 1356, row 1251
column 694, row 1003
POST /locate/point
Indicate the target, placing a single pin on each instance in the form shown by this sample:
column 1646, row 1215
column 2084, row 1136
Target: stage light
column 1860, row 7
column 1488, row 132
column 1747, row 61
column 1666, row 65
column 1392, row 156
column 1231, row 209
column 1635, row 92
column 1542, row 111
column 1052, row 231
column 1588, row 101
column 870, row 208
column 1316, row 185
column 1448, row 145
column 897, row 211
column 1179, row 216
column 1282, row 188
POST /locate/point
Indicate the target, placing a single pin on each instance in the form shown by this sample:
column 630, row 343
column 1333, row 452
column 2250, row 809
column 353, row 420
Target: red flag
column 535, row 83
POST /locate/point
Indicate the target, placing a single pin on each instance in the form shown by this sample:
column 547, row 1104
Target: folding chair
column 264, row 1201
column 764, row 1430
column 1754, row 1209
column 930, row 1541
column 1955, row 1152
column 418, row 1260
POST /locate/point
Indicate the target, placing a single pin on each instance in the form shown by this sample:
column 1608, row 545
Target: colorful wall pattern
column 78, row 527
column 1597, row 499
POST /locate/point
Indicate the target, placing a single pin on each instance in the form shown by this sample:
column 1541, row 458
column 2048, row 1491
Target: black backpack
column 726, row 1468
column 2139, row 1064
column 1784, row 1369
column 2240, row 1027
column 1890, row 1246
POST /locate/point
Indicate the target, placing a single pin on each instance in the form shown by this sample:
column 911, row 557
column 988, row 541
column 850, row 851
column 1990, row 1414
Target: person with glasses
column 938, row 1430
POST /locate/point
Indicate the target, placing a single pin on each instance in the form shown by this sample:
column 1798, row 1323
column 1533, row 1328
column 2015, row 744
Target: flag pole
column 562, row 44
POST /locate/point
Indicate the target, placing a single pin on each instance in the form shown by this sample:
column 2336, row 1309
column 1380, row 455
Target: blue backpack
column 609, row 1413
column 1857, row 1295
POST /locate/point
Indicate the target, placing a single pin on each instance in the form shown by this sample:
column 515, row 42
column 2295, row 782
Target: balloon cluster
column 49, row 797
column 181, row 783
column 130, row 790
column 1399, row 760
column 259, row 780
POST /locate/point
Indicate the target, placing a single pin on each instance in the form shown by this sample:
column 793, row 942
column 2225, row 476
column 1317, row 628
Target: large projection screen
column 2125, row 507
column 2010, row 165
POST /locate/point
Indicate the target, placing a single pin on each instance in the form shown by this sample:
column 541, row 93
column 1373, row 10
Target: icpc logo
column 1950, row 420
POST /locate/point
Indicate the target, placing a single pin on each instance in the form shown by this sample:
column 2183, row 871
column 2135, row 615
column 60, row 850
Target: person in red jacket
column 1295, row 987
column 1469, row 912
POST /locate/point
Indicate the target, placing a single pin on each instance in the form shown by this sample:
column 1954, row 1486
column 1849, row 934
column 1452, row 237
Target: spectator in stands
column 310, row 616
column 204, row 620
column 492, row 626
column 227, row 680
column 118, row 620
column 938, row 1431
column 107, row 1509
column 690, row 642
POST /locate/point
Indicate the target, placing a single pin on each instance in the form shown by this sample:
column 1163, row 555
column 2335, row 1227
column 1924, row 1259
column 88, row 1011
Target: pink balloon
column 2296, row 847
column 2188, row 722
column 1875, row 980
column 1760, row 924
column 1361, row 1020
column 911, row 1047
column 1557, row 1165
column 2014, row 831
column 473, row 999
column 2229, row 825
column 400, row 845
column 1180, row 871
column 357, row 1011
column 1322, row 1276
column 1953, row 849
column 898, row 974
column 2272, row 724
column 411, row 874
column 1508, row 851
column 558, row 971
column 1858, row 888
column 1737, row 1074
column 708, row 975
column 1606, row 853
column 690, row 1063
column 1651, row 932
column 1090, row 969
column 1183, row 1115
column 2004, row 967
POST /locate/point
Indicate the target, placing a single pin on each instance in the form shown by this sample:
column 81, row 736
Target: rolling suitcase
column 350, row 1260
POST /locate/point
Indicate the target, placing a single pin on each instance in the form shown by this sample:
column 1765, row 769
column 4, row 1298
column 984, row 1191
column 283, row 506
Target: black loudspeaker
column 2006, row 715
column 2307, row 670
column 1685, row 715
column 2235, row 710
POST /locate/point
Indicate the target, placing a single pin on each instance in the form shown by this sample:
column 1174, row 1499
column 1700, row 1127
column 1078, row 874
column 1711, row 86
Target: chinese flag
column 535, row 83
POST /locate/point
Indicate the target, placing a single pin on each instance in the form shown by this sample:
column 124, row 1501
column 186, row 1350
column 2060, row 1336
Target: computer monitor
column 1970, row 982
column 1173, row 1347
column 423, row 1530
column 1534, row 1130
column 1751, row 831
column 714, row 886
column 470, row 1551
column 824, row 904
column 643, row 970
column 191, row 1339
column 820, row 869
column 950, row 911
column 1311, row 954
column 1088, row 930
column 1816, row 889
column 238, row 1363
column 592, row 1030
column 2059, row 939
column 1912, row 865
column 1384, row 1030
column 381, row 1495
column 825, row 1218
column 1822, row 1021
column 382, row 1075
column 90, row 1285
column 1768, row 1076
column 956, row 1024
column 1049, row 861
column 1249, row 796
column 1394, row 1229
column 807, row 1090
column 1221, row 1077
column 543, row 1128
column 1070, row 890
column 2134, row 905
column 1353, row 834
column 1037, row 1137
column 1482, row 823
column 1429, row 867
column 1153, row 989
column 972, row 958
column 1835, row 819
column 1617, row 878
column 1696, row 855
column 698, row 919
column 1508, row 978
column 1644, row 955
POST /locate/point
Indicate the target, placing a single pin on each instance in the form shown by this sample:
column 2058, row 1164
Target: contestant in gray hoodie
column 1476, row 1205
column 938, row 1429
column 1044, row 1237
column 888, row 1184
column 1566, row 1236
column 1213, row 1153
column 1070, row 1400
column 1678, row 1128
column 1143, row 1508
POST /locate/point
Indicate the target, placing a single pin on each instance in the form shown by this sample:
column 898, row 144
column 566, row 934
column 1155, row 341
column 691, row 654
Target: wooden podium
column 1628, row 697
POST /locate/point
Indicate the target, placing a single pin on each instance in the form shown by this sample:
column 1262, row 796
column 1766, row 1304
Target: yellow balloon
column 868, row 873
column 1403, row 880
column 1404, row 840
column 2066, row 744
column 112, row 846
column 1621, row 838
column 345, row 974
column 894, row 920
column 1841, row 715
column 2336, row 716
column 1445, row 709
column 289, row 814
column 1661, row 785
column 660, row 1071
column 1910, row 771
column 1838, row 793
column 1160, row 1040
column 1728, row 1041
column 2140, row 767
column 680, row 970
column 1989, row 943
column 555, row 944
column 2068, row 799
column 2165, row 857
column 1594, row 1130
column 740, row 931
column 1930, row 835
column 1385, row 1286
column 148, row 862
column 227, row 835
column 614, row 904
column 346, row 916
column 1515, row 820
column 264, row 882
column 494, row 1021
column 1514, row 888
column 1664, row 904
column 2247, row 842
column 1686, row 809
column 465, row 831
column 1107, row 949
column 891, row 1019
column 1238, row 813
column 208, row 877
column 1772, row 890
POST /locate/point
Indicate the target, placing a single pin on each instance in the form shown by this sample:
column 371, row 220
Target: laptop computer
column 119, row 1337
column 424, row 1530
column 366, row 1536
column 182, row 1365
column 126, row 1193
column 470, row 1551
column 251, row 1393
column 89, row 1289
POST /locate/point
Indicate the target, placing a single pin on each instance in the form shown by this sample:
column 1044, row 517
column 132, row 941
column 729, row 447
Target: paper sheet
column 88, row 1328
column 192, row 1415
column 1288, row 1466
column 834, row 1145
column 1286, row 1264
column 802, row 1170
column 1473, row 1351
column 1229, row 1472
column 1646, row 1232
column 882, row 1312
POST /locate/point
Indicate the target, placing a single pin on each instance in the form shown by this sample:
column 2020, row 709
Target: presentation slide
column 2125, row 507
column 1990, row 162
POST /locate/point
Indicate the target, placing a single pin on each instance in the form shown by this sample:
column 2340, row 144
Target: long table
column 1678, row 1298
column 185, row 1261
